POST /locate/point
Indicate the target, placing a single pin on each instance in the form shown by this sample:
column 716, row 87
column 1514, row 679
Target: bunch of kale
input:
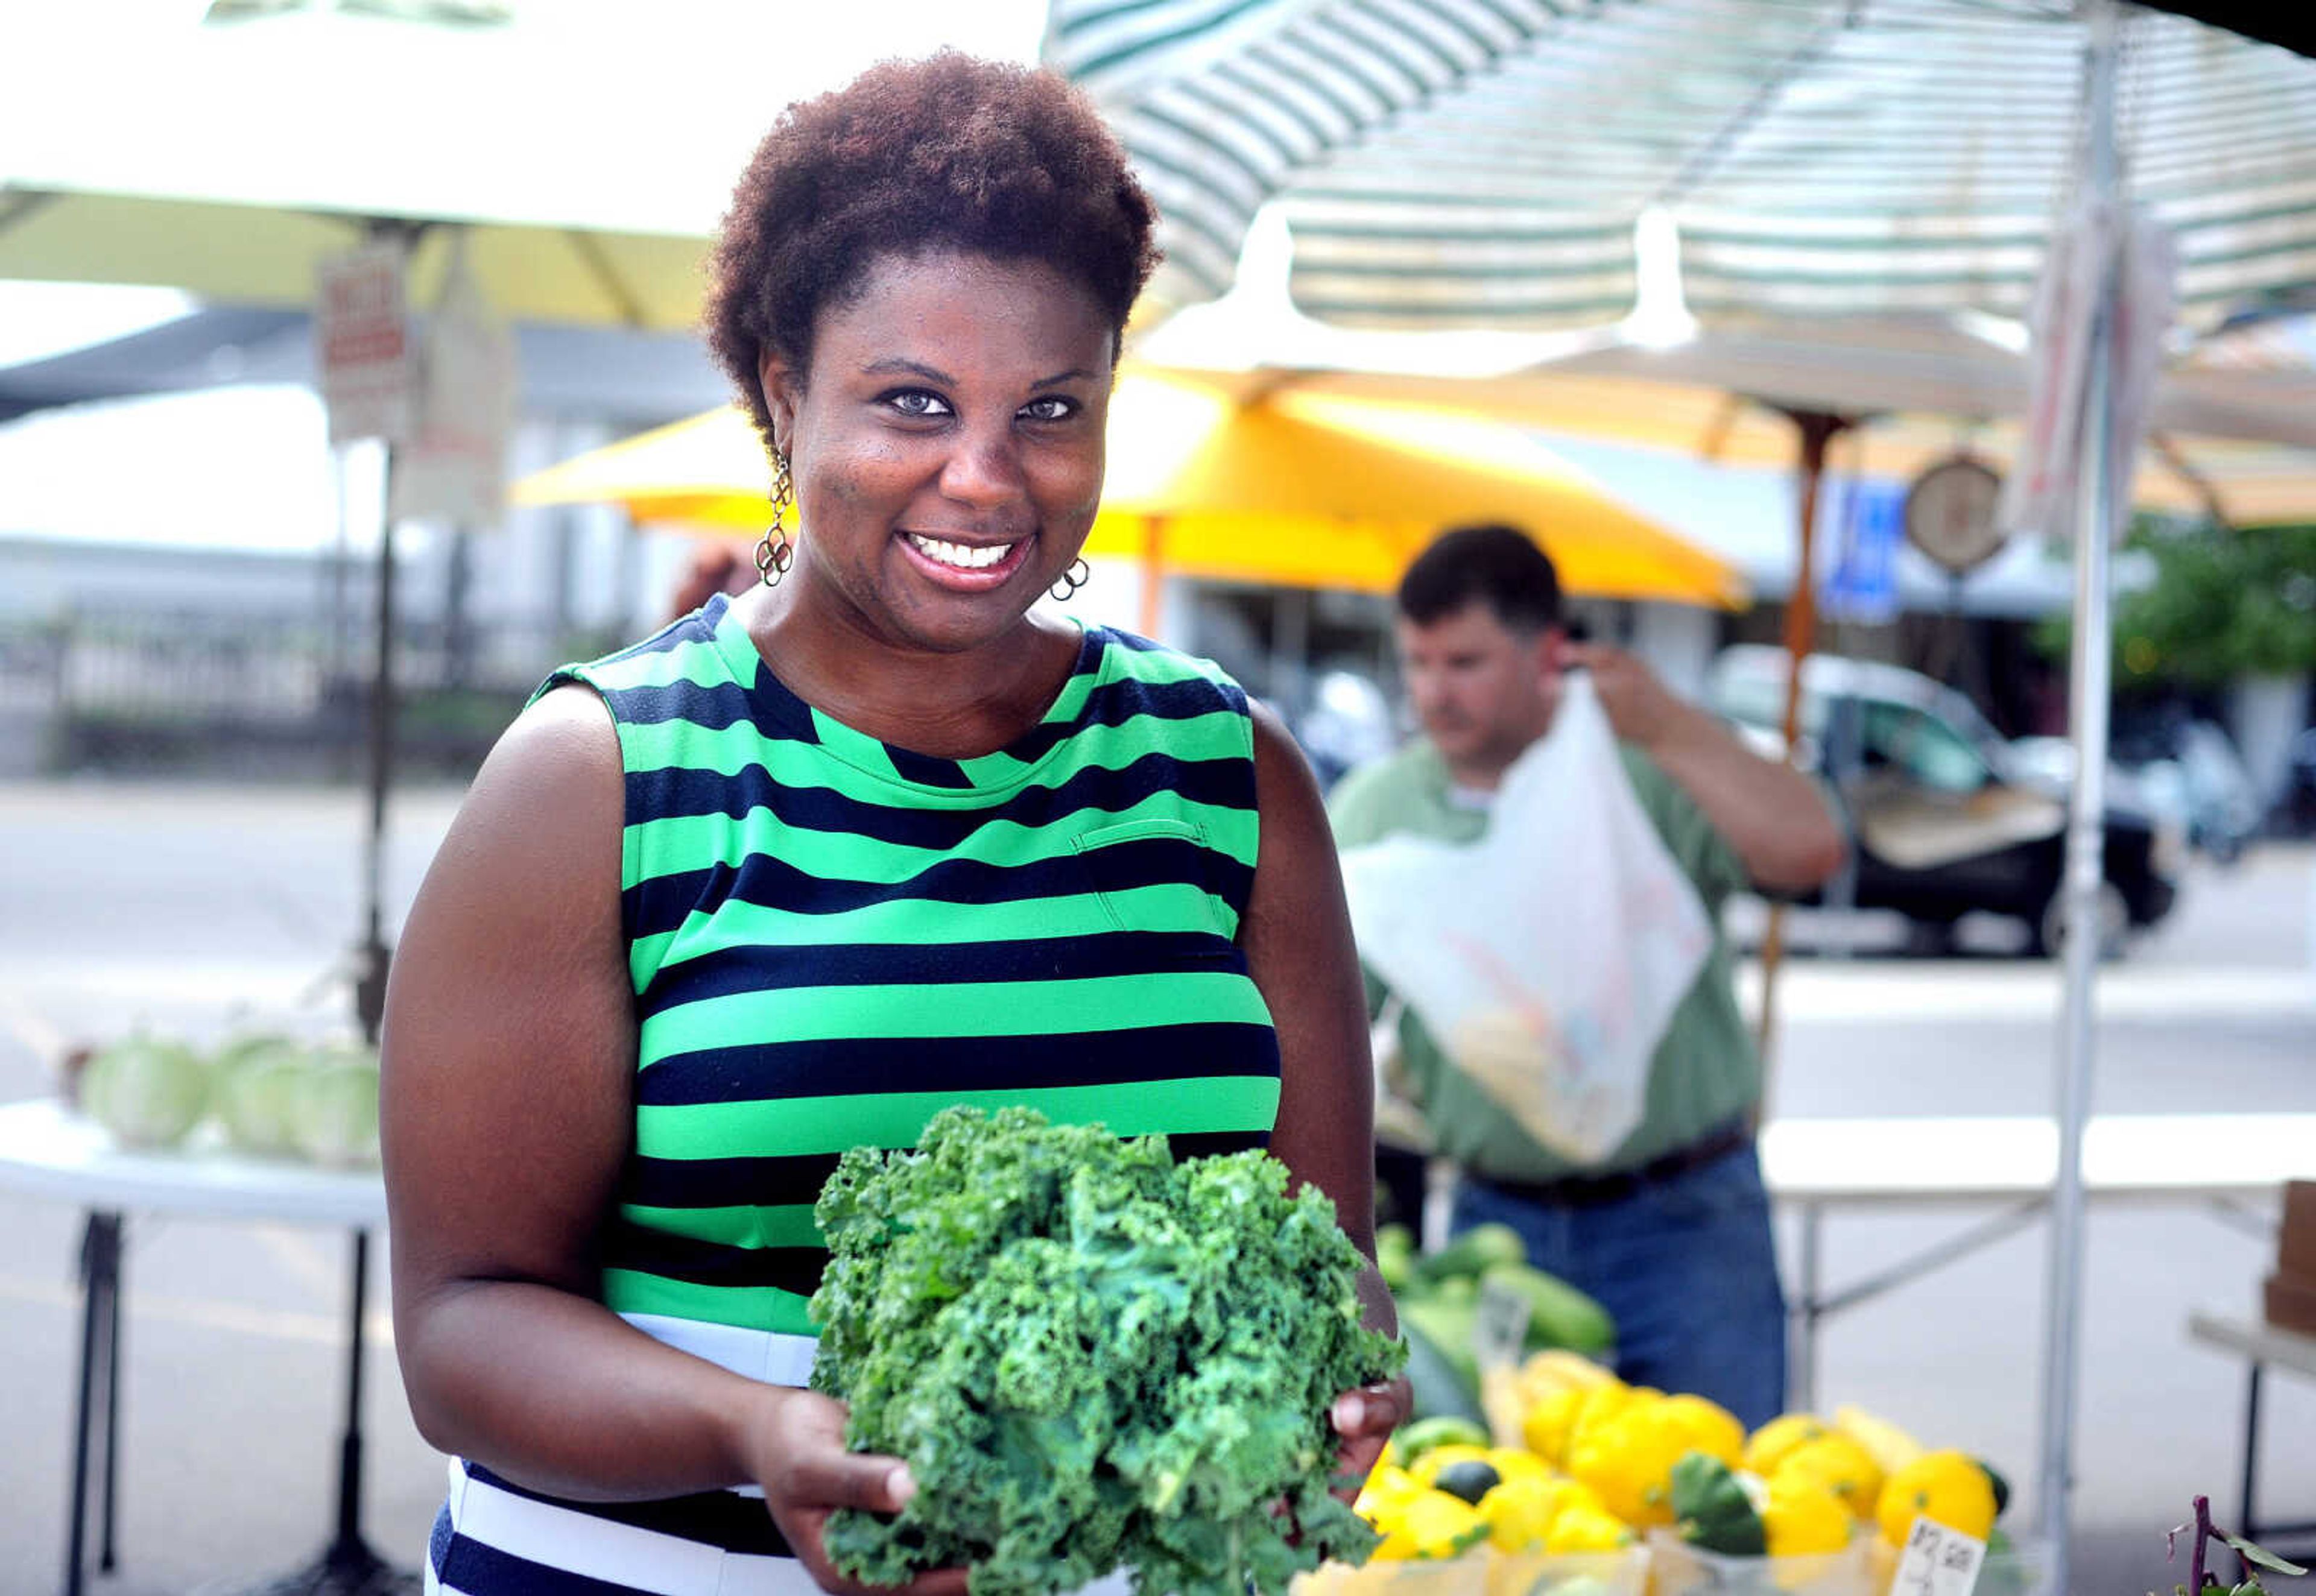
column 1091, row 1357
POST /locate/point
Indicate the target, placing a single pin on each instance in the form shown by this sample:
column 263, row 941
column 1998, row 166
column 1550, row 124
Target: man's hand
column 1640, row 708
column 1773, row 816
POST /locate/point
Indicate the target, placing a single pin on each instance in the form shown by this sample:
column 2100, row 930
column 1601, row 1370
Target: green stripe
column 980, row 1008
column 1157, row 666
column 1416, row 269
column 797, row 1125
column 781, row 1225
column 690, row 663
column 1161, row 42
column 695, row 842
column 1234, row 79
column 1617, row 237
column 1401, row 197
column 749, row 1307
column 1165, row 905
column 1330, row 307
column 1219, row 734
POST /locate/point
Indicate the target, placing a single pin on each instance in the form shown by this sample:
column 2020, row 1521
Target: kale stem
column 2202, row 1537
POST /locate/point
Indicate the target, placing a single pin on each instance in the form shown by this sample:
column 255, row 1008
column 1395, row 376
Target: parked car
column 1945, row 816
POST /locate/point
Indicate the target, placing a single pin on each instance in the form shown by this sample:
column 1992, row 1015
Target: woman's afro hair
column 945, row 153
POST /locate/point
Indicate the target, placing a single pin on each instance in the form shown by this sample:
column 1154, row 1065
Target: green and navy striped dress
column 832, row 938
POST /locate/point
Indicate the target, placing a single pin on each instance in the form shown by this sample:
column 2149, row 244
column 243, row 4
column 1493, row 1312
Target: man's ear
column 1551, row 646
column 781, row 386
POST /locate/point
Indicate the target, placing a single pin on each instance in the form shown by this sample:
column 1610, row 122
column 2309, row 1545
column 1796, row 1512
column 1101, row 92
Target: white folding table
column 48, row 1150
column 2220, row 1160
column 2261, row 1346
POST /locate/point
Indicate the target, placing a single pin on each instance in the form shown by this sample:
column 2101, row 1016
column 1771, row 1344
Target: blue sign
column 1861, row 581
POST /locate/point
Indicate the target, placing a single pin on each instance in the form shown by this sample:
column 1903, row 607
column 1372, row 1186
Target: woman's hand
column 1364, row 1419
column 795, row 1448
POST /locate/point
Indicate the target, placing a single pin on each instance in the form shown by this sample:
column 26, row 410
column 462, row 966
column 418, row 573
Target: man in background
column 1670, row 1232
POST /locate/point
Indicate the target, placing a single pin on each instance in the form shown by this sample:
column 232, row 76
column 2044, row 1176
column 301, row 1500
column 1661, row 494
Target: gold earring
column 774, row 552
column 1075, row 577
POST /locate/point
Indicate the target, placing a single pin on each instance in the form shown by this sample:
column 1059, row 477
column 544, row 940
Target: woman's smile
column 966, row 567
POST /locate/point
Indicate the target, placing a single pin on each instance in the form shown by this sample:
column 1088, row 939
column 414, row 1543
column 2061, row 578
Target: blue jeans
column 1688, row 1268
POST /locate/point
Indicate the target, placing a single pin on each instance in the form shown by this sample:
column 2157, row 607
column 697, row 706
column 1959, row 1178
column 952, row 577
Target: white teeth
column 960, row 556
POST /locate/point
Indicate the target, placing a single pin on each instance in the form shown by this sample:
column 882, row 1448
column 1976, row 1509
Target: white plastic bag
column 1546, row 959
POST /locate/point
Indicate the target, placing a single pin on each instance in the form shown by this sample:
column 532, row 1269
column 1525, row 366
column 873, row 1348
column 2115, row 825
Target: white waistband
column 759, row 1354
column 575, row 1542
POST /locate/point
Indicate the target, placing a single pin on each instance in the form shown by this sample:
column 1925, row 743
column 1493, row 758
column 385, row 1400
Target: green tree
column 2223, row 604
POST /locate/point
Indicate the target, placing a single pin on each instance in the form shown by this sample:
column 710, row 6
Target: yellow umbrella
column 1290, row 488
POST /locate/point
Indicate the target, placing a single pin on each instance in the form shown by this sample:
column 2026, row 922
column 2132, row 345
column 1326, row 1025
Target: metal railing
column 147, row 690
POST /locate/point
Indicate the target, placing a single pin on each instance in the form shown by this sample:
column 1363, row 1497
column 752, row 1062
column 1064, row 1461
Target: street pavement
column 190, row 909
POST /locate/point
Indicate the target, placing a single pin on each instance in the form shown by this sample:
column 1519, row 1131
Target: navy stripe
column 927, row 771
column 677, row 792
column 629, row 1245
column 1215, row 1144
column 712, row 706
column 663, row 903
column 1114, row 638
column 763, row 968
column 714, row 1518
column 697, row 627
column 859, row 1066
column 470, row 1566
column 797, row 1180
column 784, row 1182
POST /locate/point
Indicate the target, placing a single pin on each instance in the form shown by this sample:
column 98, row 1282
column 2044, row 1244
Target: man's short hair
column 1496, row 565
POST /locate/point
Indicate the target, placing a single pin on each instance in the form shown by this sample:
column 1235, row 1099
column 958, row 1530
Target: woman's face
column 946, row 444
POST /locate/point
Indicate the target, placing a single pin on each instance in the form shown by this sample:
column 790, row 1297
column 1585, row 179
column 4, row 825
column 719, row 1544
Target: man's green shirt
column 1705, row 1071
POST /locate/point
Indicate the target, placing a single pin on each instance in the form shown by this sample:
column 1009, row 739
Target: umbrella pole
column 1817, row 428
column 2090, row 684
column 372, row 953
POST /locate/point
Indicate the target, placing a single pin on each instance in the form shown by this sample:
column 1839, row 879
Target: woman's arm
column 1298, row 936
column 509, row 1055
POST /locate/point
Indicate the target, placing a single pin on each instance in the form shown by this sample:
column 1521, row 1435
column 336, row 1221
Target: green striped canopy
column 1483, row 163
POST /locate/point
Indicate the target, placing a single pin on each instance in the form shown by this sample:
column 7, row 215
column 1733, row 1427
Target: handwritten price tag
column 1937, row 1561
column 1500, row 1326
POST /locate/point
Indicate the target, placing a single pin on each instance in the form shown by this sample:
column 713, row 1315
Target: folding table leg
column 2248, row 1520
column 104, row 1557
column 99, row 1273
column 1801, row 1375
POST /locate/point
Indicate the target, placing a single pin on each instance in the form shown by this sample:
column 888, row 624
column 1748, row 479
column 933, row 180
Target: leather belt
column 1591, row 1191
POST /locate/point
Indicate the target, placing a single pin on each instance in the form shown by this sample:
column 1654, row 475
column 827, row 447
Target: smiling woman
column 813, row 864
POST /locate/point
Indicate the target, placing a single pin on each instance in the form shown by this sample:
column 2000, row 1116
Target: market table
column 48, row 1150
column 1811, row 1165
column 2259, row 1346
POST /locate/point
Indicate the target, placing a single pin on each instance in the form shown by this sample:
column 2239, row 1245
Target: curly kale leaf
column 1091, row 1357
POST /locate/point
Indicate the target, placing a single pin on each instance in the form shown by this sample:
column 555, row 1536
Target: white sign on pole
column 2129, row 256
column 362, row 336
column 454, row 466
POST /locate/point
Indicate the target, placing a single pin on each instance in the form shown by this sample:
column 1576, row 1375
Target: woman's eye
column 916, row 402
column 1050, row 407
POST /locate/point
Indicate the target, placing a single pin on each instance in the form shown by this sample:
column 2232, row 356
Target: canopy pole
column 1816, row 429
column 2090, row 684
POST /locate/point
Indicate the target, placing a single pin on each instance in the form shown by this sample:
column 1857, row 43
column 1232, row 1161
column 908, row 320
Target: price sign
column 363, row 337
column 1937, row 1561
column 1500, row 1326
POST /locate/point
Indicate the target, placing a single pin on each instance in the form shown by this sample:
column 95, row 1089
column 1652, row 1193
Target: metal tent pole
column 2090, row 685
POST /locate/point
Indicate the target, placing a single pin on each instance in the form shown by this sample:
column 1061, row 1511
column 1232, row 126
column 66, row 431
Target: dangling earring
column 774, row 552
column 1075, row 577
